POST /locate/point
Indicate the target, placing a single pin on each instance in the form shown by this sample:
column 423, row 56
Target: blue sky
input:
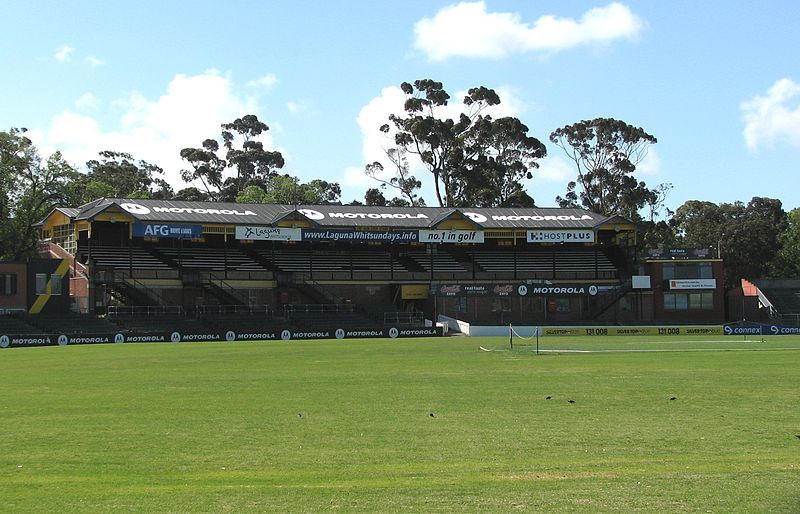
column 718, row 83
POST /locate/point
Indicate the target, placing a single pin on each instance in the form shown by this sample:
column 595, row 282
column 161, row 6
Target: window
column 42, row 280
column 461, row 303
column 688, row 301
column 685, row 270
column 501, row 304
column 562, row 305
column 8, row 284
column 41, row 283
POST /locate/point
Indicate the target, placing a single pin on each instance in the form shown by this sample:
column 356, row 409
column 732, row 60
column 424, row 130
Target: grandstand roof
column 344, row 216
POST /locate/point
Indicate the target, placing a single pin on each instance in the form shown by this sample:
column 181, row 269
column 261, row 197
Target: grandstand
column 200, row 255
column 780, row 298
column 172, row 270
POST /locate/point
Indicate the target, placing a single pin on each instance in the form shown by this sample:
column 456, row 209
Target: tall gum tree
column 474, row 159
column 605, row 152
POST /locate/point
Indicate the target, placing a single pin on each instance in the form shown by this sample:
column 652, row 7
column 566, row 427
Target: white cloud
column 774, row 116
column 64, row 53
column 87, row 101
column 302, row 107
column 191, row 110
column 94, row 61
column 468, row 30
column 268, row 81
column 554, row 168
column 651, row 164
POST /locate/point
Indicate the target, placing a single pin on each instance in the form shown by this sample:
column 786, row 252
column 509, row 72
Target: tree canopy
column 29, row 189
column 605, row 152
column 286, row 189
column 245, row 156
column 747, row 236
column 473, row 160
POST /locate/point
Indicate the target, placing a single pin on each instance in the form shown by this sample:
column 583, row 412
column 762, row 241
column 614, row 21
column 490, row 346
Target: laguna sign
column 268, row 233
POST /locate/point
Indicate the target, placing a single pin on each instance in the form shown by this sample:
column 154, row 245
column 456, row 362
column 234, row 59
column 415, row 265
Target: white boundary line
column 665, row 350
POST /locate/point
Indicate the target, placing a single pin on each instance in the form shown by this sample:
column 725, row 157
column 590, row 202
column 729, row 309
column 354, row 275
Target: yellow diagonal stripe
column 42, row 300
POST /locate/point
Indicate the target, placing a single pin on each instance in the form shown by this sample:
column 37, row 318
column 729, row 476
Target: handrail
column 202, row 310
column 227, row 288
column 407, row 318
column 144, row 310
column 320, row 307
column 773, row 312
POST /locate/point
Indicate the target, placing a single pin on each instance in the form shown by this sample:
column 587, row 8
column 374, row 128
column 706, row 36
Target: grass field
column 399, row 425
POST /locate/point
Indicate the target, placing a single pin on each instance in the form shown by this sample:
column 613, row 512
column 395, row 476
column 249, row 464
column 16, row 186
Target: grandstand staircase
column 317, row 292
column 158, row 254
column 608, row 301
column 260, row 259
column 465, row 259
column 131, row 292
column 224, row 292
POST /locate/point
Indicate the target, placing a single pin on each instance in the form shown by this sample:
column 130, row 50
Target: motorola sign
column 135, row 208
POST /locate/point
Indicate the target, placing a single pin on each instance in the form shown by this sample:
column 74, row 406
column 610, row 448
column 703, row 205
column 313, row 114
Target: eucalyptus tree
column 605, row 152
column 473, row 159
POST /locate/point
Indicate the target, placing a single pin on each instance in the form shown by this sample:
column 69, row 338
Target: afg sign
column 168, row 230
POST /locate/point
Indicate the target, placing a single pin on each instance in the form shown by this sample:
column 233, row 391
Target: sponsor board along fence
column 15, row 340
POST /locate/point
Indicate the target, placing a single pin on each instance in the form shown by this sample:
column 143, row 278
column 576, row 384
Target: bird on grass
column 548, row 397
column 431, row 415
column 674, row 398
column 570, row 401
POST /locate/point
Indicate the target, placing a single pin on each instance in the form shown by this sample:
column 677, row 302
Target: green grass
column 347, row 425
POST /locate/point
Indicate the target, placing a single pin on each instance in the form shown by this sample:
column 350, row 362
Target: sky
column 717, row 83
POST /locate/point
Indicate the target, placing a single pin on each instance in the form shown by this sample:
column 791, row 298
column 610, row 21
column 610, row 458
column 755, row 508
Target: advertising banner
column 169, row 230
column 679, row 253
column 474, row 290
column 20, row 340
column 394, row 236
column 450, row 236
column 414, row 291
column 561, row 236
column 256, row 233
column 761, row 330
column 694, row 283
column 633, row 331
column 554, row 290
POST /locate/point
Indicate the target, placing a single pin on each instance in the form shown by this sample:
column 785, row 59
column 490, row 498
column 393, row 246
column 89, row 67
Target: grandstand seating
column 160, row 323
column 124, row 257
column 785, row 301
column 561, row 264
column 13, row 325
column 303, row 261
column 80, row 324
column 316, row 317
column 211, row 259
column 437, row 261
column 342, row 264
